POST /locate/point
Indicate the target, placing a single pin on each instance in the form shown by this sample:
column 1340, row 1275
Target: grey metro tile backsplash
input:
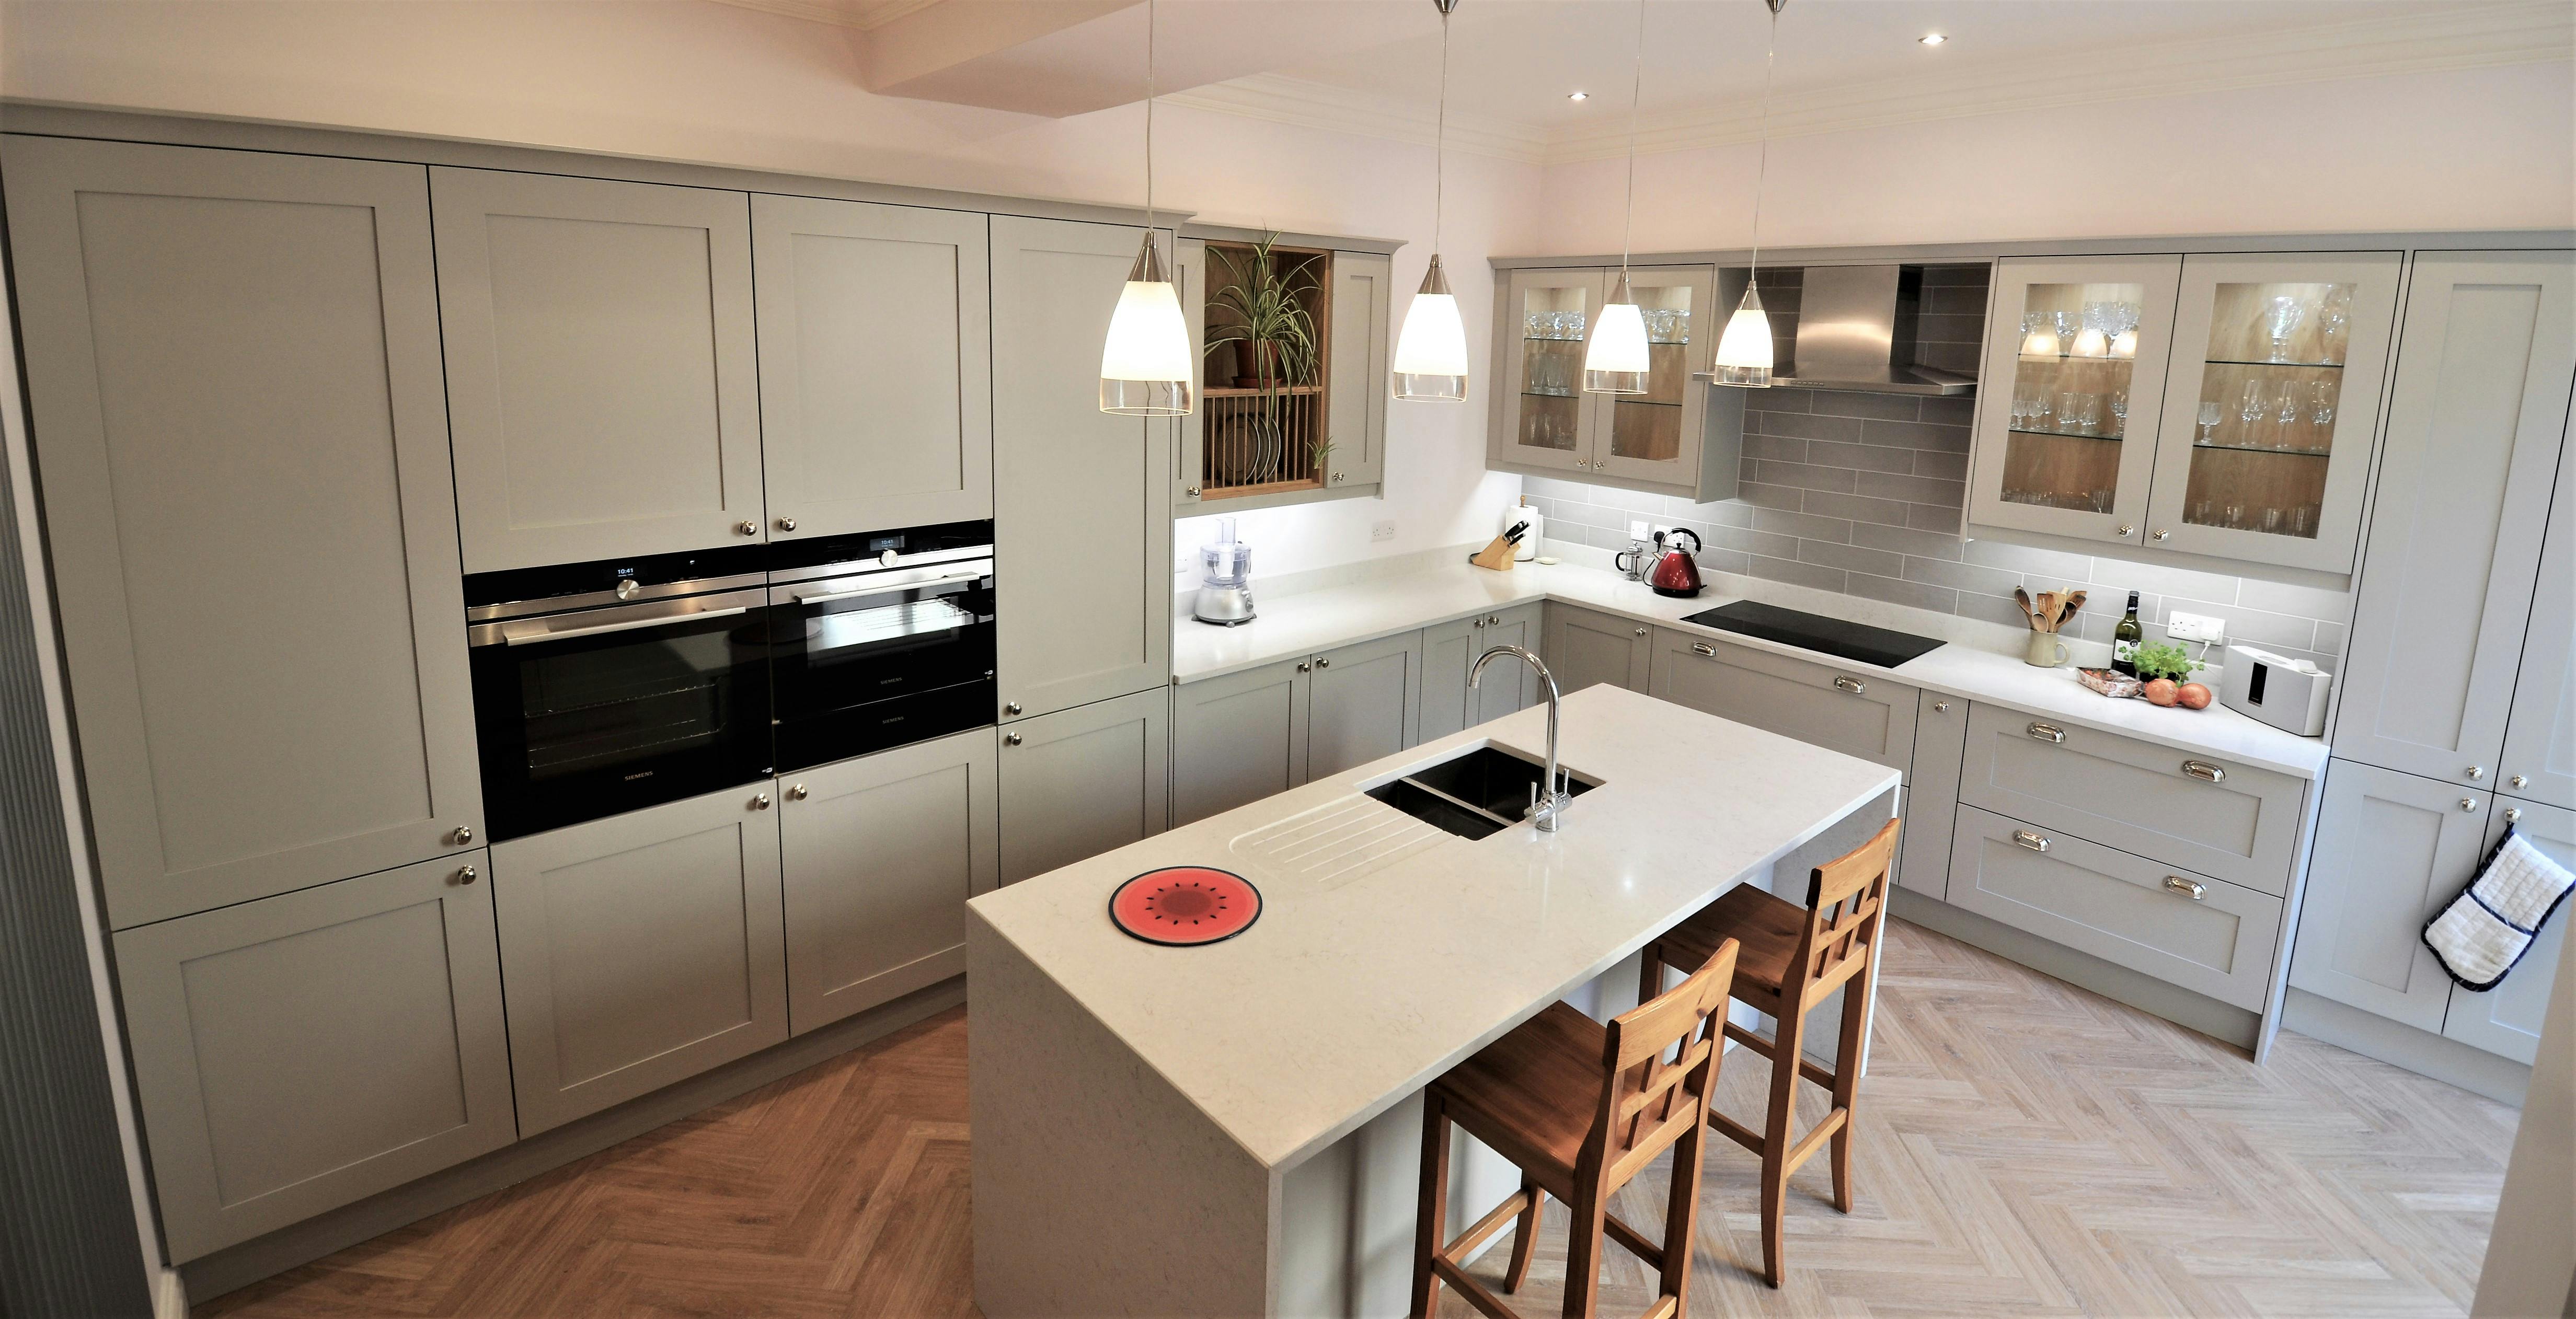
column 1863, row 494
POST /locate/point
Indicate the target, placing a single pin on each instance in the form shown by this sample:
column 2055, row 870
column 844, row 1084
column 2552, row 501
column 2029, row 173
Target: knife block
column 1497, row 556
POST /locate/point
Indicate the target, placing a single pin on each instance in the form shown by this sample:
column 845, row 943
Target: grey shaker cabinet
column 1081, row 499
column 2507, row 1019
column 1080, row 782
column 1584, row 648
column 2539, row 762
column 2391, row 849
column 876, row 385
column 1238, row 738
column 1856, row 713
column 1449, row 652
column 1362, row 703
column 2204, row 934
column 600, row 366
column 302, row 1052
column 2475, row 421
column 1362, row 300
column 1930, row 803
column 2213, row 816
column 878, row 857
column 233, row 363
column 639, row 950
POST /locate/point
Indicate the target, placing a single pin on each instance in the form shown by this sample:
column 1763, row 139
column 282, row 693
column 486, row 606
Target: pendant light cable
column 1149, row 121
column 1636, row 86
column 1762, row 127
column 1440, row 134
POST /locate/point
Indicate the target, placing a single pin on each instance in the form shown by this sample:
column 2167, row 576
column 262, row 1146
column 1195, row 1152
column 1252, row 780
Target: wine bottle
column 2125, row 638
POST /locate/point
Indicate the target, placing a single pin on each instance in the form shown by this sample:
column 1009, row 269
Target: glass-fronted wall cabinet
column 2218, row 406
column 2070, row 397
column 1660, row 438
column 2271, row 402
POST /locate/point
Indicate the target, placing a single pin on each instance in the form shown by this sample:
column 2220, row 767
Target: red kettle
column 1676, row 572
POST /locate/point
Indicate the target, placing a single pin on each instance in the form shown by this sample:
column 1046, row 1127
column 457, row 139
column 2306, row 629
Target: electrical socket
column 1662, row 529
column 1637, row 530
column 1381, row 531
column 2195, row 627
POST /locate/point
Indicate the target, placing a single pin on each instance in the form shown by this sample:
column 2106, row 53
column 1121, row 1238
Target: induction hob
column 1856, row 642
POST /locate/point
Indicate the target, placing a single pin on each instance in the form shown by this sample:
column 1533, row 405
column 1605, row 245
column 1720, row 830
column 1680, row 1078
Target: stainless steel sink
column 1475, row 794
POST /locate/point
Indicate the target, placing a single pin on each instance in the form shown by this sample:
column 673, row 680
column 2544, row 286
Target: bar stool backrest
column 1654, row 1099
column 1843, row 898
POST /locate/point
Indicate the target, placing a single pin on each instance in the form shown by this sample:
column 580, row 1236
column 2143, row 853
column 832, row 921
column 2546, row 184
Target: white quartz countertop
column 1383, row 957
column 1291, row 626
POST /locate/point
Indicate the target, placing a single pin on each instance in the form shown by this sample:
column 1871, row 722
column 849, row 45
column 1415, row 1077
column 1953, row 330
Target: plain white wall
column 2477, row 149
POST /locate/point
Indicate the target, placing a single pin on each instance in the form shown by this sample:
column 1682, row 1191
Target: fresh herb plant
column 2164, row 659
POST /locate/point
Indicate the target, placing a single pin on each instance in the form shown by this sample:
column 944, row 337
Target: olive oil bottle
column 2125, row 639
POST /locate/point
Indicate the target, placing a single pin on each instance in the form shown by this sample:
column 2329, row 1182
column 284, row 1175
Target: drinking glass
column 2303, row 521
column 2200, row 513
column 2102, row 501
column 2120, row 412
column 2282, row 320
column 2321, row 404
column 2285, row 410
column 2271, row 522
column 2070, row 412
column 2235, row 517
column 2249, row 410
column 2092, row 404
column 2209, row 415
column 2065, row 324
column 2334, row 322
column 2039, row 414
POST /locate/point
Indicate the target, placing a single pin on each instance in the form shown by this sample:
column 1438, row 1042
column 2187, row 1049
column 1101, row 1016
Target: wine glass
column 2209, row 414
column 2334, row 322
column 2120, row 412
column 2039, row 413
column 2250, row 407
column 2285, row 410
column 2281, row 320
column 2321, row 405
column 2271, row 522
column 2070, row 412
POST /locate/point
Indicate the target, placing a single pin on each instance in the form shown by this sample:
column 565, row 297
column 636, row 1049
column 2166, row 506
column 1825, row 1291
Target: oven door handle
column 567, row 634
column 890, row 588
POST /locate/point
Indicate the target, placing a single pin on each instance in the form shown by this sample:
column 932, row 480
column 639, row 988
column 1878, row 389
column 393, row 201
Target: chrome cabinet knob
column 748, row 528
column 786, row 524
column 1305, row 666
column 465, row 875
column 2513, row 815
column 2477, row 772
column 1339, row 475
column 760, row 801
column 2520, row 780
column 1940, row 707
column 1641, row 631
column 797, row 793
column 464, row 834
column 1010, row 739
column 2126, row 530
column 1192, row 492
column 2161, row 533
column 2468, row 803
column 1011, row 707
column 1322, row 663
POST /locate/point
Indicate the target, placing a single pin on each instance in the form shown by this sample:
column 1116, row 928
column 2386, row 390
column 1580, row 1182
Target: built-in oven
column 881, row 639
column 604, row 687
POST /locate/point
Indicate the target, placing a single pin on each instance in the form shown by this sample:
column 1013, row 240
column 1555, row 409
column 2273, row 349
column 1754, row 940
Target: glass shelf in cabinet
column 2260, row 448
column 2066, row 435
column 1547, row 393
column 2246, row 361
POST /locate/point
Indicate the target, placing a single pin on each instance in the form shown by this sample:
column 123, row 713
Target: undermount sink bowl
column 1475, row 794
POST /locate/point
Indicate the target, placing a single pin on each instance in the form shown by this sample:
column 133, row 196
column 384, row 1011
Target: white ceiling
column 1371, row 66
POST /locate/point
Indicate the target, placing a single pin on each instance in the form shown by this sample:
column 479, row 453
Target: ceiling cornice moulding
column 1280, row 99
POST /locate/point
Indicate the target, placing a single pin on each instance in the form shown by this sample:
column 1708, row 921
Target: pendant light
column 1146, row 366
column 1614, row 362
column 1744, row 351
column 1431, row 353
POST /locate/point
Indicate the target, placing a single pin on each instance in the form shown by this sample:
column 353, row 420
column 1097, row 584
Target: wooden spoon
column 2022, row 598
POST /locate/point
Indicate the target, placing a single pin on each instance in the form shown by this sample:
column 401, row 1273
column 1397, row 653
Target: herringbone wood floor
column 2024, row 1148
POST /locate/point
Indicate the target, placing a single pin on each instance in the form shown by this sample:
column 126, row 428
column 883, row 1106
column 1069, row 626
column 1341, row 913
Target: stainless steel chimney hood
column 1856, row 332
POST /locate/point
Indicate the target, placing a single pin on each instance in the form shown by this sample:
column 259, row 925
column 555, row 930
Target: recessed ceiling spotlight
column 1932, row 38
column 1578, row 96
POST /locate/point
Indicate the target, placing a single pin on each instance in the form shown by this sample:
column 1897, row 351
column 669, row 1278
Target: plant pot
column 1256, row 365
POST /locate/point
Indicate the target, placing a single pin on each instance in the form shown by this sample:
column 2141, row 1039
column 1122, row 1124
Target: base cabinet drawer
column 302, row 1052
column 2203, row 934
column 2215, row 817
column 878, row 857
column 639, row 950
column 1856, row 713
column 1931, row 798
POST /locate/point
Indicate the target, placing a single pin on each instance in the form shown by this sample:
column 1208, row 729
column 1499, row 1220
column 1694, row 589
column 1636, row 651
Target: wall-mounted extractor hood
column 1856, row 331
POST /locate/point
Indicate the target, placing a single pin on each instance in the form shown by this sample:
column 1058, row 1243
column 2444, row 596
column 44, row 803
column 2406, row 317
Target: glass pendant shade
column 1744, row 351
column 1614, row 362
column 1145, row 366
column 1431, row 353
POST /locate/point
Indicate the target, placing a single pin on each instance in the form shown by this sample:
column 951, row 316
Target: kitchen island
column 1235, row 1128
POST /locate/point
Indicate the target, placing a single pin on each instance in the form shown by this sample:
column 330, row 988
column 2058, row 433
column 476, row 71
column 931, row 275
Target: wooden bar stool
column 1582, row 1109
column 1790, row 960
